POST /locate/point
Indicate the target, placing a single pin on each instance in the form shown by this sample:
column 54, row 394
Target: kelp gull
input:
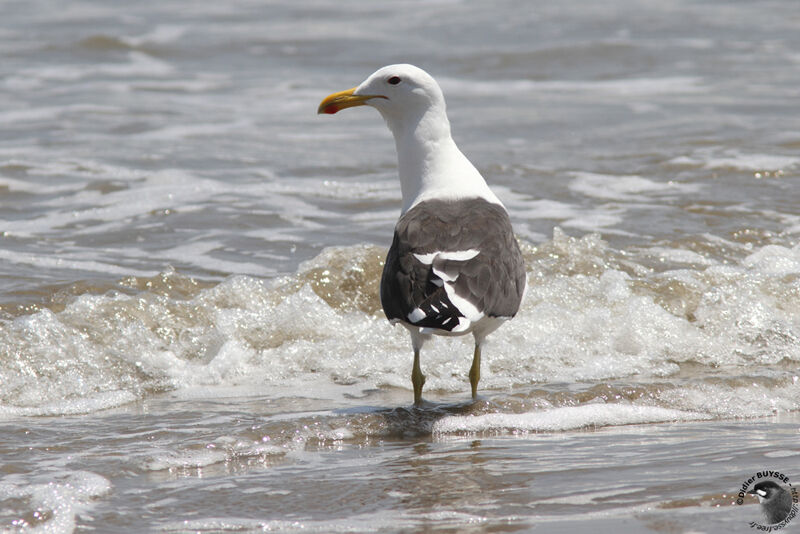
column 454, row 266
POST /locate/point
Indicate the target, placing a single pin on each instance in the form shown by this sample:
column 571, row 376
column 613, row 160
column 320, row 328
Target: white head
column 429, row 163
column 406, row 96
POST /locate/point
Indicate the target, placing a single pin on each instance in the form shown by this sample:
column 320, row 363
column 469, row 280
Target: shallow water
column 190, row 332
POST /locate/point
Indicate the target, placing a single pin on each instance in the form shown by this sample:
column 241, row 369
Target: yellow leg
column 475, row 371
column 417, row 378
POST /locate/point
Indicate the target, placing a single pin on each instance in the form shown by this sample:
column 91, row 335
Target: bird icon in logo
column 776, row 501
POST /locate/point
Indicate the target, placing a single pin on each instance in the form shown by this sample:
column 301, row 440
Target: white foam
column 625, row 188
column 193, row 459
column 55, row 499
column 221, row 450
column 72, row 406
column 68, row 261
column 626, row 87
column 735, row 159
column 42, row 113
column 161, row 34
column 175, row 132
column 727, row 401
column 566, row 418
column 322, row 331
column 544, row 209
column 775, row 260
column 678, row 255
column 164, row 190
column 139, row 64
column 781, row 454
column 353, row 523
column 199, row 253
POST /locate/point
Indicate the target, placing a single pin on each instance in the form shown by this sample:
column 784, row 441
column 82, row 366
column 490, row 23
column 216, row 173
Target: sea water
column 191, row 338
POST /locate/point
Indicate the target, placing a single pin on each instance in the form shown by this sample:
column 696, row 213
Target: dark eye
column 394, row 80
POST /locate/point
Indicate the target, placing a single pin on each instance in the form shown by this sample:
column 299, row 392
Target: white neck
column 430, row 164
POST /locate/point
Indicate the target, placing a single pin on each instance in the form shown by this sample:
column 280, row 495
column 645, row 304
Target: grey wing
column 411, row 292
column 445, row 270
column 494, row 280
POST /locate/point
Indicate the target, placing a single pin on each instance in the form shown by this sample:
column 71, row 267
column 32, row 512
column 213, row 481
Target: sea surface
column 190, row 333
